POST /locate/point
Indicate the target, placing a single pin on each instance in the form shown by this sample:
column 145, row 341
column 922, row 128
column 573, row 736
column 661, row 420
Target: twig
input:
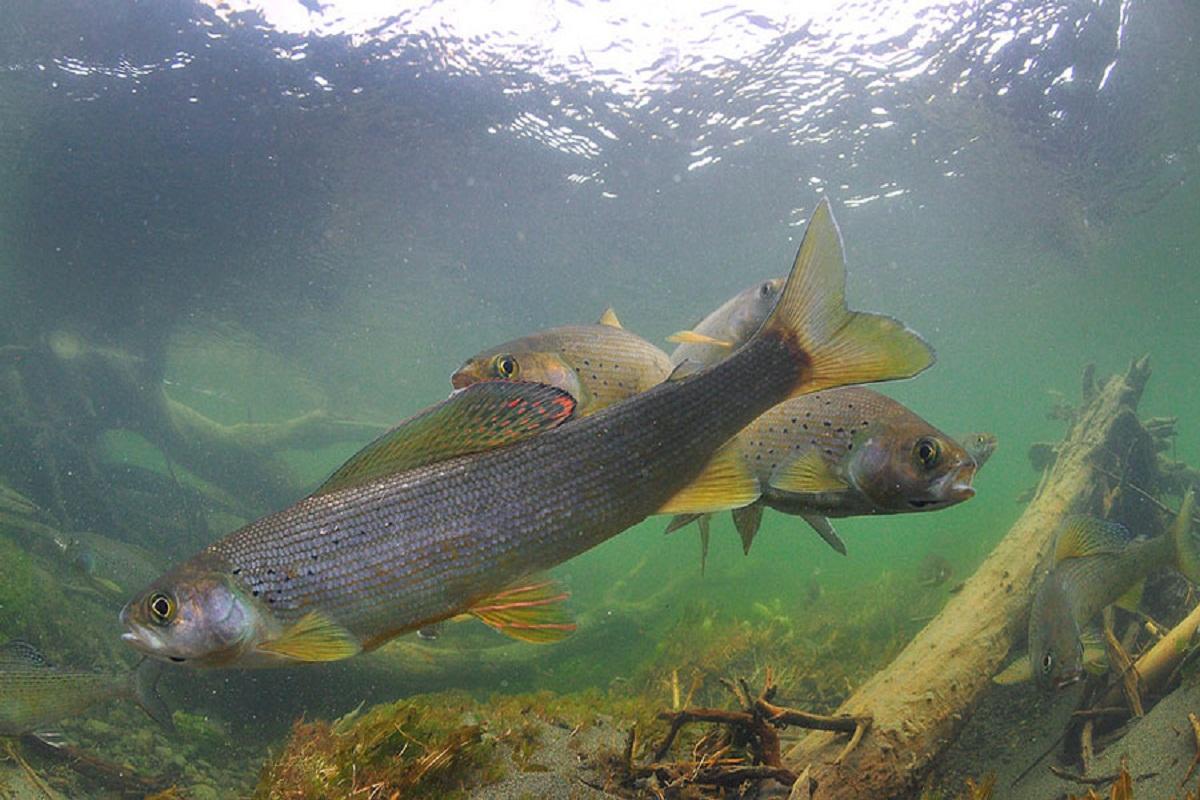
column 1094, row 781
column 1196, row 758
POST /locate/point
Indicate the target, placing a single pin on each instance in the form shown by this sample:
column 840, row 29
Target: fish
column 460, row 509
column 845, row 452
column 35, row 694
column 1096, row 563
column 598, row 365
column 723, row 331
column 980, row 445
column 934, row 570
column 110, row 566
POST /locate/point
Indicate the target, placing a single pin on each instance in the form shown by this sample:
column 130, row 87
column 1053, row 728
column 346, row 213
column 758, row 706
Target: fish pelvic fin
column 835, row 346
column 725, row 483
column 314, row 637
column 692, row 337
column 826, row 531
column 534, row 612
column 746, row 520
column 609, row 318
column 681, row 521
column 483, row 416
column 705, row 535
column 1132, row 597
column 144, row 685
column 1187, row 544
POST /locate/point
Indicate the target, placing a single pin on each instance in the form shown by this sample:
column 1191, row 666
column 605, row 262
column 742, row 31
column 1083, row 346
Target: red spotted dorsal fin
column 531, row 612
column 483, row 416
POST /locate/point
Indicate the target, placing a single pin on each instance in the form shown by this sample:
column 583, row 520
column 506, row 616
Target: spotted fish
column 598, row 365
column 456, row 511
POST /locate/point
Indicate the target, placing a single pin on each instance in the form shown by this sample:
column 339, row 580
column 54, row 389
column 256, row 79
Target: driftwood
column 919, row 701
column 58, row 396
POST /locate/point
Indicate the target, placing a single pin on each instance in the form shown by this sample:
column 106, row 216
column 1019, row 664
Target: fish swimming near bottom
column 845, row 452
column 457, row 510
column 1096, row 564
column 35, row 694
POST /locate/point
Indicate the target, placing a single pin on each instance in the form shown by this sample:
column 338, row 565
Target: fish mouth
column 146, row 642
column 950, row 490
column 461, row 379
column 1068, row 680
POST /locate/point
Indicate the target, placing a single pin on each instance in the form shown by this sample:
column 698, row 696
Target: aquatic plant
column 403, row 749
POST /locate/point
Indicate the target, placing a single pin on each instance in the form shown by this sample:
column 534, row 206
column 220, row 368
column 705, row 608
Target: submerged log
column 920, row 700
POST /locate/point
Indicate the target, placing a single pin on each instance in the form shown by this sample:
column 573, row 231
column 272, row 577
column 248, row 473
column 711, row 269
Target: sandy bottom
column 1015, row 725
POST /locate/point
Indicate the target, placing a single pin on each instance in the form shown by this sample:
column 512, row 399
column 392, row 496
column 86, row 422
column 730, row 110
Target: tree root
column 745, row 749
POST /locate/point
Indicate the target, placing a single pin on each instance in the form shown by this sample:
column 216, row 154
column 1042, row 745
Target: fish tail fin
column 1187, row 545
column 834, row 345
column 144, row 688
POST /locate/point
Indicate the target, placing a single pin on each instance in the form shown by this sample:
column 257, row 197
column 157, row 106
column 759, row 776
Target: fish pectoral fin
column 1132, row 598
column 314, row 637
column 534, row 612
column 484, row 416
column 691, row 337
column 747, row 519
column 1083, row 536
column 1019, row 671
column 1095, row 651
column 702, row 524
column 725, row 483
column 112, row 587
column 609, row 318
column 825, row 530
column 808, row 474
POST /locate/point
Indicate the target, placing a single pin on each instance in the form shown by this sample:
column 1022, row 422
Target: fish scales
column 1094, row 582
column 826, row 420
column 30, row 698
column 610, row 362
column 455, row 531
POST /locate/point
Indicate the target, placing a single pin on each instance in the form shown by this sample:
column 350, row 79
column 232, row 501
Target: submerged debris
column 745, row 749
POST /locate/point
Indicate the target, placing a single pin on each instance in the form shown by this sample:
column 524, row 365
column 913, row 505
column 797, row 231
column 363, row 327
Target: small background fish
column 35, row 694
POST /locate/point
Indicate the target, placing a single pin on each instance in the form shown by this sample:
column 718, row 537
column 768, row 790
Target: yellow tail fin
column 841, row 346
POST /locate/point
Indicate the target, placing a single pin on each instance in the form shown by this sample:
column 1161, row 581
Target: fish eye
column 764, row 290
column 161, row 607
column 505, row 366
column 928, row 452
column 1047, row 663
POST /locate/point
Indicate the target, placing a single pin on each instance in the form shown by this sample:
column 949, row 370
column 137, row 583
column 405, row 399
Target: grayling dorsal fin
column 484, row 416
column 22, row 653
column 609, row 318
